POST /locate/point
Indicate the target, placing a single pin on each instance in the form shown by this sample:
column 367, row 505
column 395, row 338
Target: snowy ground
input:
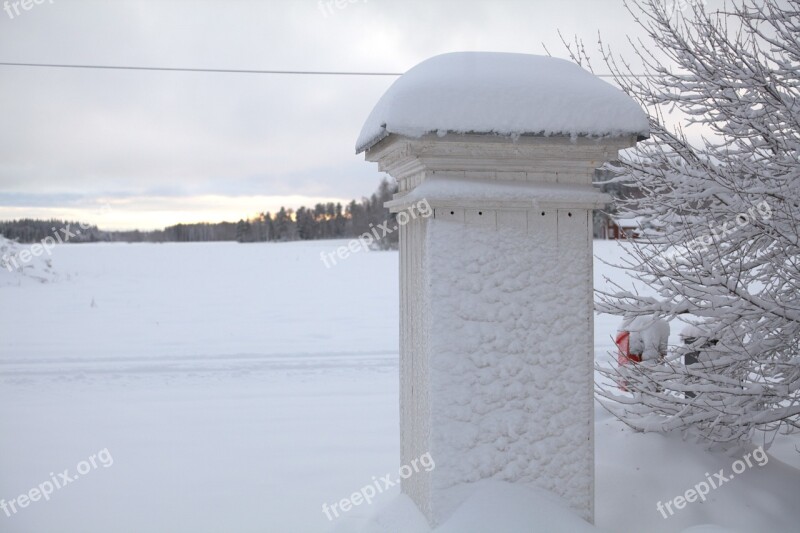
column 239, row 387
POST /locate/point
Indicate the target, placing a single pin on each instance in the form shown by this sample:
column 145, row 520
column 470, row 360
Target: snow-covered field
column 239, row 387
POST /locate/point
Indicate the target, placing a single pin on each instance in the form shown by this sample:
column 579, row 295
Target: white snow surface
column 487, row 506
column 14, row 271
column 501, row 93
column 693, row 331
column 238, row 387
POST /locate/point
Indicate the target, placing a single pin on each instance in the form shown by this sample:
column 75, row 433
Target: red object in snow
column 625, row 357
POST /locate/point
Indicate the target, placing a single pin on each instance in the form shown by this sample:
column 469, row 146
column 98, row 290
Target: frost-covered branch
column 720, row 216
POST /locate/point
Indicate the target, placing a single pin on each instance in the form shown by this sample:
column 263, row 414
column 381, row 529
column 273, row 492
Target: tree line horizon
column 331, row 220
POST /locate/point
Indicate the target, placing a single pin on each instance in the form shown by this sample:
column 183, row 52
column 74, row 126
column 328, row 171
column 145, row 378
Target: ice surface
column 502, row 93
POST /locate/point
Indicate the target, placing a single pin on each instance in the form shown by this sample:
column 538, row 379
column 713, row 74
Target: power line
column 214, row 70
column 236, row 71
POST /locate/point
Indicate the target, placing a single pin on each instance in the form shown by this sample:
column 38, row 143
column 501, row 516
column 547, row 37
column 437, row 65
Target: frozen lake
column 239, row 387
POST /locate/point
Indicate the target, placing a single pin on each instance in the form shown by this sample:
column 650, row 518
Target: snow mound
column 648, row 337
column 501, row 93
column 500, row 506
column 13, row 269
column 398, row 515
column 489, row 506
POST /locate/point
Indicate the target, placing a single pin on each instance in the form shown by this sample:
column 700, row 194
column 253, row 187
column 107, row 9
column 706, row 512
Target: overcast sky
column 166, row 147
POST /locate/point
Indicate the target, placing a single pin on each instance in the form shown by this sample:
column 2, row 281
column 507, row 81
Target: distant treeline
column 322, row 221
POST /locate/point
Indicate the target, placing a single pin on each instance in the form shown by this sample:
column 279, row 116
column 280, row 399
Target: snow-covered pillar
column 496, row 324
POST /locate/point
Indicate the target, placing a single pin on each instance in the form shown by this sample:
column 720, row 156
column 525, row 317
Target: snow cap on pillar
column 503, row 94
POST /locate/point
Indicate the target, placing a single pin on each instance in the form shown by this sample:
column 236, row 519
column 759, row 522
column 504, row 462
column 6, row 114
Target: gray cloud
column 69, row 136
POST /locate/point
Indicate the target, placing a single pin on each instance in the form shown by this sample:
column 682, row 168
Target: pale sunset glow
column 149, row 212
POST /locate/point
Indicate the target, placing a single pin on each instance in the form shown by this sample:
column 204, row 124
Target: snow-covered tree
column 721, row 212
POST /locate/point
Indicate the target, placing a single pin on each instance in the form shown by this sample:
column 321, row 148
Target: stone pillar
column 496, row 311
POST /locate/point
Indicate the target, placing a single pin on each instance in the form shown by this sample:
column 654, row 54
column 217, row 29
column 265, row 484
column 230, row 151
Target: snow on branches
column 720, row 216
